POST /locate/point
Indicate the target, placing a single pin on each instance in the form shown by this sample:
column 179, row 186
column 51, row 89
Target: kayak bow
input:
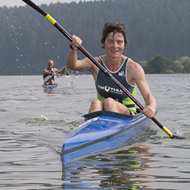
column 49, row 86
column 102, row 131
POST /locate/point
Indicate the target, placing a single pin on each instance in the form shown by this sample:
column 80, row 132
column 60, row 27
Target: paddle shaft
column 106, row 72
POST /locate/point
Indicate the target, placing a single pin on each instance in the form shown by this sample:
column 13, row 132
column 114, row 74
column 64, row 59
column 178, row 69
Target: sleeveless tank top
column 107, row 88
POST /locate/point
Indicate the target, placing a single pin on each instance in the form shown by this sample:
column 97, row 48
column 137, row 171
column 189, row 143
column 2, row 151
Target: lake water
column 35, row 122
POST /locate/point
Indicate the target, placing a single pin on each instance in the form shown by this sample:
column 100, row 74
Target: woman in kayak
column 129, row 73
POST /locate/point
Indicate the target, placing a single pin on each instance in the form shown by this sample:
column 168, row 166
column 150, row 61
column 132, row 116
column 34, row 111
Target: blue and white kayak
column 49, row 86
column 102, row 131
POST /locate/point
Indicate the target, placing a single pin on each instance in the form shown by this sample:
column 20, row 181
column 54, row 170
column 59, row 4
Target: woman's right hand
column 76, row 42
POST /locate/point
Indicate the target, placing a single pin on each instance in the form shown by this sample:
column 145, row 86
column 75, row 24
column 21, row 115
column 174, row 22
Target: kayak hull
column 50, row 86
column 102, row 131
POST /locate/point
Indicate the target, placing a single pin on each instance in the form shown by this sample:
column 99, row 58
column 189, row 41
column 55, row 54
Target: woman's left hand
column 148, row 111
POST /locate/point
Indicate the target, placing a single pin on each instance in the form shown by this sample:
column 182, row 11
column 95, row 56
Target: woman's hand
column 148, row 112
column 76, row 42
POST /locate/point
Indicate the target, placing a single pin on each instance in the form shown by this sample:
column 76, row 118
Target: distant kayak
column 50, row 86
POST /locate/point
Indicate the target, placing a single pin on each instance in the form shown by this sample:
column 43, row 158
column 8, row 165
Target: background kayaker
column 50, row 72
column 129, row 73
column 68, row 73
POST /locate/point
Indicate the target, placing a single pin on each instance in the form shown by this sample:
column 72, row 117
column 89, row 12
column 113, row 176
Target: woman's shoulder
column 133, row 65
column 134, row 71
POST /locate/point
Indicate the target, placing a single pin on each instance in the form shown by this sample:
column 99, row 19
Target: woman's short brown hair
column 110, row 27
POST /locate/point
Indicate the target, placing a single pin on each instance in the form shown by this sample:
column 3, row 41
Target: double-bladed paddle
column 106, row 72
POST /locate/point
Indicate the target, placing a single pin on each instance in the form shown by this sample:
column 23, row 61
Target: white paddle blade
column 48, row 78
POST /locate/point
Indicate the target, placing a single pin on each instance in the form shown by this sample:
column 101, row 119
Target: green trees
column 28, row 40
column 161, row 65
column 182, row 65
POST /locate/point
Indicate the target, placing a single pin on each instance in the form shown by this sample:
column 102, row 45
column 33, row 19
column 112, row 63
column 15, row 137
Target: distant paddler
column 50, row 72
column 68, row 74
column 77, row 73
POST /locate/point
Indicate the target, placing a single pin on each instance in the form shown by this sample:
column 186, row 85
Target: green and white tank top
column 107, row 88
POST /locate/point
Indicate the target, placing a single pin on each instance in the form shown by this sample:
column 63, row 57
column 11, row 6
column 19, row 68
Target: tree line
column 158, row 34
column 161, row 65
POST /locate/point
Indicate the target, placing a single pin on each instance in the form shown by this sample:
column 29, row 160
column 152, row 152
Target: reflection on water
column 49, row 91
column 118, row 169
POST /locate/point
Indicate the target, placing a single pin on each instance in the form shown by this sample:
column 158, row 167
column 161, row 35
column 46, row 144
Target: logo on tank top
column 121, row 74
column 110, row 89
column 107, row 88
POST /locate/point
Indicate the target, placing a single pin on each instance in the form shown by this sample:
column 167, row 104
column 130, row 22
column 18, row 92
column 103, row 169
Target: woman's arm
column 137, row 76
column 74, row 63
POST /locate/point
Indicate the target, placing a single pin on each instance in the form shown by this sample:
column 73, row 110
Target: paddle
column 62, row 70
column 106, row 72
column 48, row 78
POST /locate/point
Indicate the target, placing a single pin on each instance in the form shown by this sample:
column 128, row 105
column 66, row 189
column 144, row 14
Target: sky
column 12, row 3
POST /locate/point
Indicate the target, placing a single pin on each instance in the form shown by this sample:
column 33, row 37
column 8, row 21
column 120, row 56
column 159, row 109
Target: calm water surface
column 35, row 122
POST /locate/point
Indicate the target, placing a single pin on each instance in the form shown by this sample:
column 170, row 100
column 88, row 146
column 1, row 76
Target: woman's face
column 114, row 45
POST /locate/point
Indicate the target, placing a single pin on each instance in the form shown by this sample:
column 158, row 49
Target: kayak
column 49, row 86
column 102, row 131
